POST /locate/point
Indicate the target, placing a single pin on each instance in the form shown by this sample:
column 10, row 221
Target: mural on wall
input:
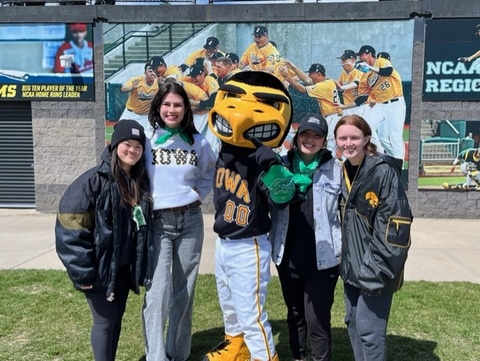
column 326, row 67
column 450, row 155
column 452, row 60
column 46, row 62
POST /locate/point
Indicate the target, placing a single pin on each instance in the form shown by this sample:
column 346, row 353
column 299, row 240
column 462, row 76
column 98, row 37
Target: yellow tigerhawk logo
column 372, row 199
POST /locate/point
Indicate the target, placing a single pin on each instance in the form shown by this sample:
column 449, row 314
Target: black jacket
column 87, row 233
column 376, row 220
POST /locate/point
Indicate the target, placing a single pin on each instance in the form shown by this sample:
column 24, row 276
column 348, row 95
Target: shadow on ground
column 400, row 348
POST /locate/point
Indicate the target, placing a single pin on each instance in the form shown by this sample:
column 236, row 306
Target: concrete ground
column 442, row 249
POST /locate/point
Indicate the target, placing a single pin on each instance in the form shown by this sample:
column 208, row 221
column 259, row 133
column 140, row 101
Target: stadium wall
column 69, row 136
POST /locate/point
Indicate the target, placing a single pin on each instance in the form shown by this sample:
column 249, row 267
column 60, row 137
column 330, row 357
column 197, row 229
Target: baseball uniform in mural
column 387, row 115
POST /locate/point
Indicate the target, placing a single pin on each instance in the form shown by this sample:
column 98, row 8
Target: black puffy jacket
column 87, row 234
column 376, row 221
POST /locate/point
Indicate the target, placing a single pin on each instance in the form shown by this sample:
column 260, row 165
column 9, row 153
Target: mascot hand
column 264, row 156
column 280, row 183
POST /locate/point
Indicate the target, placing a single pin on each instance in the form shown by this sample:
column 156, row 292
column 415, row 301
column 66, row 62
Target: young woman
column 181, row 165
column 376, row 221
column 101, row 233
column 306, row 247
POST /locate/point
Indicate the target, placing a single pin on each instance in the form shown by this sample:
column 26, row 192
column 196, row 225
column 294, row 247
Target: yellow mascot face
column 251, row 104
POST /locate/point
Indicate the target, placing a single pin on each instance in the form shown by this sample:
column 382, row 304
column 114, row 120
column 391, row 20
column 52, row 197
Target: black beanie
column 127, row 129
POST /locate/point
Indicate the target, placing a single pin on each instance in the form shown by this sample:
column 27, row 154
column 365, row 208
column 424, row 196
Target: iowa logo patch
column 372, row 199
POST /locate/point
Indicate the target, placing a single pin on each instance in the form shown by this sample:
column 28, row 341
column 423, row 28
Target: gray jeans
column 366, row 319
column 178, row 240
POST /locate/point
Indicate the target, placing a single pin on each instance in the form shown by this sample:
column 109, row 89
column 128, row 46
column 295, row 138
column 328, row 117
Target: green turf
column 438, row 181
column 43, row 318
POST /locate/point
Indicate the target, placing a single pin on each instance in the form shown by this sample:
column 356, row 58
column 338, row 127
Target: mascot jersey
column 250, row 104
column 241, row 202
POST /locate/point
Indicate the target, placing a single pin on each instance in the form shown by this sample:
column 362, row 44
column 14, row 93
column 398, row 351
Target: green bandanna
column 170, row 132
column 303, row 173
column 279, row 182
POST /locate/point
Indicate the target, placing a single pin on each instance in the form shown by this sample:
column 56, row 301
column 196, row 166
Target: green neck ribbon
column 303, row 173
column 170, row 132
column 138, row 217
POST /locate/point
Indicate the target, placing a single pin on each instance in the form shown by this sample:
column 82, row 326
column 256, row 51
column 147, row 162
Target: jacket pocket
column 398, row 231
column 103, row 229
column 333, row 188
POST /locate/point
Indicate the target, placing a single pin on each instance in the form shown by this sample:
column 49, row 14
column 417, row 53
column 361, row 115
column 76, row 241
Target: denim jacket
column 327, row 181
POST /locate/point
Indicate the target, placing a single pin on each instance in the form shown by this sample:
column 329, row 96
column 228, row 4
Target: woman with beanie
column 101, row 233
column 306, row 240
column 181, row 164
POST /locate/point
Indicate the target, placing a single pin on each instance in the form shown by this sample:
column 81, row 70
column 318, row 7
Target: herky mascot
column 252, row 114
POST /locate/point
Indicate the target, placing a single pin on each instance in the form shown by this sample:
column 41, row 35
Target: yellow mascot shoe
column 233, row 348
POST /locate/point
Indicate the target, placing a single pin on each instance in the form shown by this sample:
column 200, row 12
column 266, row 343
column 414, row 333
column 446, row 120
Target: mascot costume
column 251, row 115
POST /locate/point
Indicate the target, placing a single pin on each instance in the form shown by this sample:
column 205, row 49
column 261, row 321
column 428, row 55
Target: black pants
column 309, row 303
column 107, row 317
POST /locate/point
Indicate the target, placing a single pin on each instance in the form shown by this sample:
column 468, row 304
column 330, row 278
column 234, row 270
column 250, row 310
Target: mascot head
column 251, row 104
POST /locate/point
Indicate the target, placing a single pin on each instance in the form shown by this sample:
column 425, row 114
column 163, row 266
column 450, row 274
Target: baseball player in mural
column 141, row 91
column 476, row 55
column 349, row 80
column 223, row 67
column 212, row 44
column 469, row 160
column 235, row 61
column 78, row 50
column 261, row 54
column 323, row 89
column 468, row 59
column 387, row 102
column 162, row 71
column 248, row 181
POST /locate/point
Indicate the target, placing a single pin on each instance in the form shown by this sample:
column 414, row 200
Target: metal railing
column 153, row 2
column 439, row 150
column 145, row 39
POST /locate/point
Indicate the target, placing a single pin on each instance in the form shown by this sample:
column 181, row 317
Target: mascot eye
column 276, row 105
column 231, row 95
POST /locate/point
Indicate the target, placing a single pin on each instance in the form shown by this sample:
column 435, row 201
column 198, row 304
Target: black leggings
column 107, row 317
column 309, row 304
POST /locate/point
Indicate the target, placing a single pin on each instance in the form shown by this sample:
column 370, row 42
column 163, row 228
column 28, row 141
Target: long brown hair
column 358, row 122
column 134, row 187
column 186, row 125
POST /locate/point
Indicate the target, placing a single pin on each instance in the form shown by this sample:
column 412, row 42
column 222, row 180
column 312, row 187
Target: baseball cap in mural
column 156, row 61
column 233, row 57
column 196, row 70
column 384, row 55
column 211, row 43
column 216, row 55
column 260, row 30
column 348, row 54
column 78, row 27
column 314, row 122
column 317, row 68
column 149, row 66
column 366, row 49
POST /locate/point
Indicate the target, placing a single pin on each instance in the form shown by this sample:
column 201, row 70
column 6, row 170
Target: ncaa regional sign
column 452, row 60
